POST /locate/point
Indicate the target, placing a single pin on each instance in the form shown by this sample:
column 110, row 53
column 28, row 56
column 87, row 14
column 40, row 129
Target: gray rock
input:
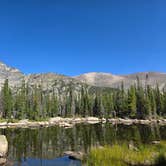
column 75, row 155
column 3, row 146
column 131, row 146
column 155, row 142
column 3, row 161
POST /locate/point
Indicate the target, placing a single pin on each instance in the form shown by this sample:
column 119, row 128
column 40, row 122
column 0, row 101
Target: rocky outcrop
column 50, row 82
column 3, row 149
column 14, row 76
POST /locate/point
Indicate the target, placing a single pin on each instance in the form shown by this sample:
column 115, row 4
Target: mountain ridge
column 98, row 79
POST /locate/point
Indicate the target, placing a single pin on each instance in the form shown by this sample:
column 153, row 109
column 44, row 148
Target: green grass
column 121, row 155
column 2, row 120
column 9, row 120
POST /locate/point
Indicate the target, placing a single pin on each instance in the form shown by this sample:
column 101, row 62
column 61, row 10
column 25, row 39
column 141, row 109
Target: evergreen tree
column 84, row 103
column 146, row 111
column 132, row 102
column 7, row 101
column 159, row 101
column 98, row 109
column 108, row 105
column 121, row 103
column 140, row 98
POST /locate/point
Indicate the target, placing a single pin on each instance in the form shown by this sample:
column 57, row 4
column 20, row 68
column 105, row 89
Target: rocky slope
column 49, row 82
column 100, row 79
column 115, row 81
column 61, row 83
column 14, row 76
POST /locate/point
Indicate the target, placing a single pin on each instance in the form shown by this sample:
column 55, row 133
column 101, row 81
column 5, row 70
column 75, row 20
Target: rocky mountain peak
column 12, row 74
column 99, row 79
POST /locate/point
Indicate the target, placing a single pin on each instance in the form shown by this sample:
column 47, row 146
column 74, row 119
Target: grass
column 9, row 120
column 2, row 120
column 116, row 155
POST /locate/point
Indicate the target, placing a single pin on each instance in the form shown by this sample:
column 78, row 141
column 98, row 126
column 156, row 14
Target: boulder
column 3, row 146
column 103, row 120
column 3, row 161
column 77, row 120
column 55, row 120
column 74, row 155
column 92, row 120
column 3, row 149
column 24, row 121
column 3, row 124
column 131, row 146
column 155, row 142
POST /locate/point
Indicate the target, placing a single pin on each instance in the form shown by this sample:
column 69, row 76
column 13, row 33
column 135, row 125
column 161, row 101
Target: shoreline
column 70, row 122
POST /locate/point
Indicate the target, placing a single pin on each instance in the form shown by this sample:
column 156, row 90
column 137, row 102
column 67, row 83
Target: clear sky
column 77, row 36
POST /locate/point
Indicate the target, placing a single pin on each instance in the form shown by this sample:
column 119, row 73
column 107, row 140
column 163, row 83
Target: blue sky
column 77, row 36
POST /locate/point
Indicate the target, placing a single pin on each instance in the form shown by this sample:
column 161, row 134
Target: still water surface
column 46, row 146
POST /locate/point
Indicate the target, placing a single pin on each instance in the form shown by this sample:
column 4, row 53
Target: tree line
column 35, row 104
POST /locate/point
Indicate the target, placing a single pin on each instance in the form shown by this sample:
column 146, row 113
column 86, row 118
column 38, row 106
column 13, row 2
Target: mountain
column 100, row 79
column 14, row 76
column 115, row 81
column 60, row 83
column 49, row 82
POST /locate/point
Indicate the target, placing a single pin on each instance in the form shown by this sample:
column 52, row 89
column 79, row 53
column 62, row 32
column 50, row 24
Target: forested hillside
column 34, row 103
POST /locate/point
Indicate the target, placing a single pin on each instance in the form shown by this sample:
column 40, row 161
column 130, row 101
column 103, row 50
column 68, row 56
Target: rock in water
column 3, row 145
column 3, row 149
column 2, row 161
column 74, row 155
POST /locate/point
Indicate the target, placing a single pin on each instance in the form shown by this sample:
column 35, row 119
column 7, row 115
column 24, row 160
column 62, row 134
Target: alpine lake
column 46, row 146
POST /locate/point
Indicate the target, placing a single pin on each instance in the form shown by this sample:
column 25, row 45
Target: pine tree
column 146, row 112
column 140, row 98
column 21, row 102
column 121, row 103
column 36, row 105
column 163, row 111
column 98, row 109
column 7, row 101
column 96, row 106
column 54, row 104
column 159, row 101
column 132, row 103
column 151, row 96
column 108, row 105
column 84, row 103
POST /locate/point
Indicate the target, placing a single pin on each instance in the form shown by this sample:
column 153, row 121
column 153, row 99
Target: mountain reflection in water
column 44, row 146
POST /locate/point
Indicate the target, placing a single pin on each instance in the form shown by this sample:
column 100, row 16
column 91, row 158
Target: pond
column 46, row 146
